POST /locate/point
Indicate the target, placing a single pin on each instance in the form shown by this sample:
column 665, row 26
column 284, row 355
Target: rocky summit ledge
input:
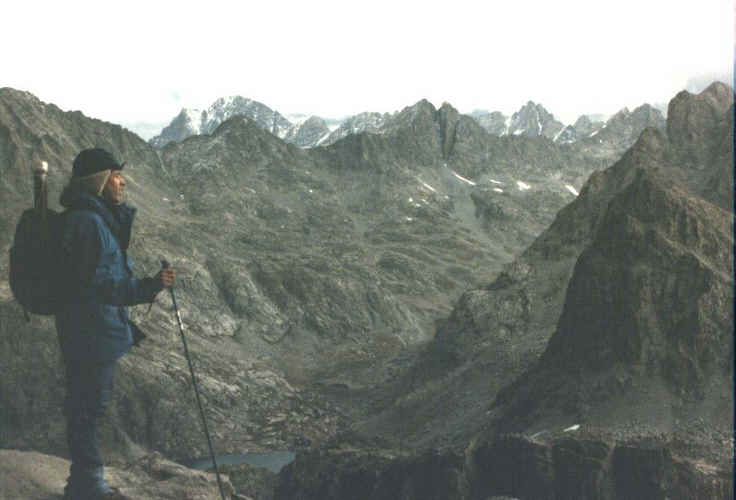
column 29, row 475
column 511, row 466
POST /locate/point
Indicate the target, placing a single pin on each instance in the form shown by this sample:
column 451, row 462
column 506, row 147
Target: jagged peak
column 14, row 92
column 621, row 113
column 423, row 104
column 652, row 142
column 717, row 94
column 718, row 88
column 583, row 120
column 21, row 95
column 689, row 114
column 313, row 119
column 233, row 100
column 446, row 105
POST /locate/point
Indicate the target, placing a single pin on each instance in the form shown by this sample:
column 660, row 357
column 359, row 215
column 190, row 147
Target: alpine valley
column 421, row 304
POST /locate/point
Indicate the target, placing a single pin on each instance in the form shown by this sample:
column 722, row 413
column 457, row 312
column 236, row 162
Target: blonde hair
column 94, row 183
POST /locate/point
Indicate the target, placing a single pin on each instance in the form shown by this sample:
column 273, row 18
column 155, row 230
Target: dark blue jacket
column 98, row 282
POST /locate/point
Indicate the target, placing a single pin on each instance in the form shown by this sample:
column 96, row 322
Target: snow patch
column 497, row 182
column 429, row 187
column 498, row 190
column 539, row 122
column 297, row 120
column 518, row 132
column 468, row 181
column 558, row 134
column 322, row 139
column 572, row 428
column 523, row 186
column 572, row 189
column 195, row 120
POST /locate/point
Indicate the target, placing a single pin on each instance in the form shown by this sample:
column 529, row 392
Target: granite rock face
column 511, row 467
column 645, row 331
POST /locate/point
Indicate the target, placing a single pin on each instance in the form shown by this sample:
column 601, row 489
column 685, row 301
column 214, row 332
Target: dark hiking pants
column 88, row 394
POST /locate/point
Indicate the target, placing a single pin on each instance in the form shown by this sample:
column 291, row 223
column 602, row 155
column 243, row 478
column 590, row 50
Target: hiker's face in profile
column 114, row 189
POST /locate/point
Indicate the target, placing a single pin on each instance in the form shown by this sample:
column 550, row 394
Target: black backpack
column 35, row 270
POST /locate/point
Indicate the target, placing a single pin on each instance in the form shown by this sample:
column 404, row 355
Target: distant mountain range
column 304, row 131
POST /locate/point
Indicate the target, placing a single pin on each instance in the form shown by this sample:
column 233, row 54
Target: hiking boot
column 89, row 484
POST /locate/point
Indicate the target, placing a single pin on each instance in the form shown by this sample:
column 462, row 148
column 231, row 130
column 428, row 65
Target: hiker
column 92, row 321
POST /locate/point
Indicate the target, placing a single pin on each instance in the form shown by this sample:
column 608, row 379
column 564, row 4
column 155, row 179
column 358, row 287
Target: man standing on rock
column 93, row 325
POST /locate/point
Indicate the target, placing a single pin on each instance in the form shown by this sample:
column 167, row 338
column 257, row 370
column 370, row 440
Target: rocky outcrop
column 311, row 132
column 186, row 124
column 512, row 466
column 533, row 120
column 373, row 475
column 622, row 130
column 494, row 122
column 582, row 128
column 646, row 313
column 34, row 476
column 363, row 122
column 592, row 469
column 191, row 122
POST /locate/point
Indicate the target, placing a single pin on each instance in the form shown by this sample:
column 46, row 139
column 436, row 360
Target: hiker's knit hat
column 92, row 167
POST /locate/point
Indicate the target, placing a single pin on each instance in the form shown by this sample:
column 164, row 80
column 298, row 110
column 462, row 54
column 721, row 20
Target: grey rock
column 309, row 133
column 363, row 122
column 494, row 122
column 532, row 120
column 35, row 476
column 622, row 130
column 582, row 128
column 195, row 122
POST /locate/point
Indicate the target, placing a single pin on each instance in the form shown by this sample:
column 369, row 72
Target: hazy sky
column 144, row 61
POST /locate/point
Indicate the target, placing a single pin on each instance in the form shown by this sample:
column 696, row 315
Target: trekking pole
column 164, row 265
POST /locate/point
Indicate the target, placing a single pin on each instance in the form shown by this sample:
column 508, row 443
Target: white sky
column 134, row 61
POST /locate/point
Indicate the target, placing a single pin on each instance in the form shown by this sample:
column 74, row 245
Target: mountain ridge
column 532, row 120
